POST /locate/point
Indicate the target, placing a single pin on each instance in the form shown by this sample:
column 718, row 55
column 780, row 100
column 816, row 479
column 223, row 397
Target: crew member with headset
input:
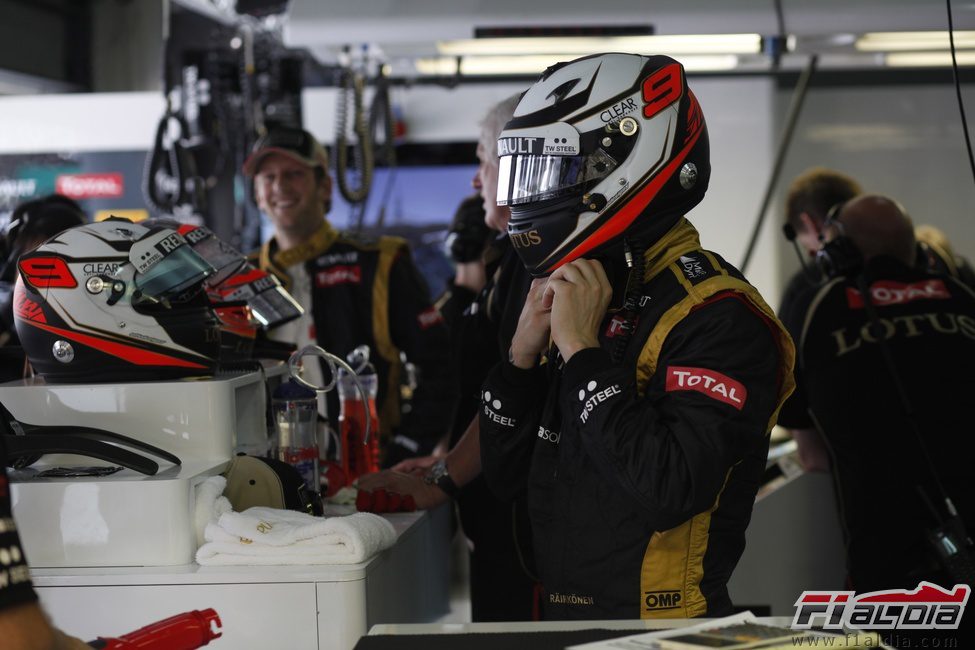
column 809, row 199
column 884, row 359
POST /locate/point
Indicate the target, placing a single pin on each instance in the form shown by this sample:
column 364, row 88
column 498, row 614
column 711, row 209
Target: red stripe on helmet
column 132, row 354
column 627, row 214
column 244, row 278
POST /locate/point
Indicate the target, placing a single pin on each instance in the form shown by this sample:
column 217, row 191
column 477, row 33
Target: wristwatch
column 438, row 476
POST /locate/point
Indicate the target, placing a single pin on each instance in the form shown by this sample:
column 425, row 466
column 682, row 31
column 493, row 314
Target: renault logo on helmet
column 511, row 146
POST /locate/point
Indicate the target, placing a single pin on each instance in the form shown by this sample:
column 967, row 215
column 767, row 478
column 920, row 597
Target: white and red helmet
column 598, row 148
column 116, row 301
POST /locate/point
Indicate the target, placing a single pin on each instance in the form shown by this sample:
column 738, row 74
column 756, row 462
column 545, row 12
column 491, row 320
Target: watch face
column 439, row 470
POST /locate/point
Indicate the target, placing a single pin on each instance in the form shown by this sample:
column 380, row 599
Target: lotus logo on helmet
column 525, row 239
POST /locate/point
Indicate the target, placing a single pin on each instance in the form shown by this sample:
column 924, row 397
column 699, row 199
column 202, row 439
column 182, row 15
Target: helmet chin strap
column 626, row 259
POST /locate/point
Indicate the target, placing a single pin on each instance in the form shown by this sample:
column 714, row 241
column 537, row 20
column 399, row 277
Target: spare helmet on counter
column 116, row 301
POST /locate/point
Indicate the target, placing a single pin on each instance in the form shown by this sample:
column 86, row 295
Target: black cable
column 798, row 98
column 387, row 192
column 776, row 45
column 905, row 401
column 961, row 104
column 779, row 17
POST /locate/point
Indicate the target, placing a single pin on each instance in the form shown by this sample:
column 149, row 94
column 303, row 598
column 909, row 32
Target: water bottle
column 295, row 410
column 359, row 456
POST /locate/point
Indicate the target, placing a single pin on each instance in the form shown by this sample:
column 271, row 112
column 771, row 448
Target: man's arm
column 417, row 329
column 813, row 453
column 707, row 406
column 463, row 465
column 25, row 627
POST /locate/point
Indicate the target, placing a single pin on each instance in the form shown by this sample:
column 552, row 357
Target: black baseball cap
column 297, row 144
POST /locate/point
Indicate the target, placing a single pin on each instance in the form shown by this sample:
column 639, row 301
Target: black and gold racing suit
column 641, row 472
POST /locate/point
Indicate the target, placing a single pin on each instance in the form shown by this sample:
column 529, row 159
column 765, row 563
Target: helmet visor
column 179, row 270
column 221, row 256
column 524, row 178
column 269, row 303
column 274, row 306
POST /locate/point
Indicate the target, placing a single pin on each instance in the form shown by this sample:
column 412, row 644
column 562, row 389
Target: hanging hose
column 381, row 122
column 169, row 177
column 797, row 100
column 333, row 363
column 352, row 83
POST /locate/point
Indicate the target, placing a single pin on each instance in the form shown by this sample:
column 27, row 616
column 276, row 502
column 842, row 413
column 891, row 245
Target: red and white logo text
column 617, row 326
column 429, row 317
column 707, row 382
column 338, row 275
column 925, row 608
column 27, row 309
column 886, row 293
column 90, row 186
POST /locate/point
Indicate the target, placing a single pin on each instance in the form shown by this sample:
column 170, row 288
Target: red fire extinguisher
column 186, row 631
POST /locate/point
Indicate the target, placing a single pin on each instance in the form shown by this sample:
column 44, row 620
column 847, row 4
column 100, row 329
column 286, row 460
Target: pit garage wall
column 737, row 110
column 902, row 140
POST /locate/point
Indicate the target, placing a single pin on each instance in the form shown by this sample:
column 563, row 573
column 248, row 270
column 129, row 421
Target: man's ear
column 810, row 224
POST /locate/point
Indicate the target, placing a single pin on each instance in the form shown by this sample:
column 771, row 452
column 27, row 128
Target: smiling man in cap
column 355, row 291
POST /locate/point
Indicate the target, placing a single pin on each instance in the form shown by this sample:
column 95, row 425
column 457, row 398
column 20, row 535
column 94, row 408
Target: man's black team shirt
column 845, row 389
column 481, row 326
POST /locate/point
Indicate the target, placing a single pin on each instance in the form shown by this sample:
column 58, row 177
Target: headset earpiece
column 789, row 231
column 839, row 256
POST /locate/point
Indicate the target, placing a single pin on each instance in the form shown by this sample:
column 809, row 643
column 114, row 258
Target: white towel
column 267, row 536
column 209, row 505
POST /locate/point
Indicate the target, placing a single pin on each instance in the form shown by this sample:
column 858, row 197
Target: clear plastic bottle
column 295, row 410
